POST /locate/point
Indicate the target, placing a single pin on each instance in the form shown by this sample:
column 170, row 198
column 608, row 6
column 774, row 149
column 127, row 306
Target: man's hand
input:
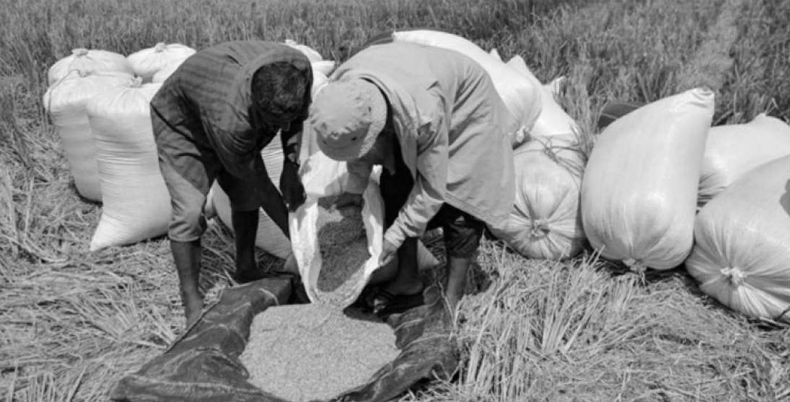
column 388, row 252
column 291, row 186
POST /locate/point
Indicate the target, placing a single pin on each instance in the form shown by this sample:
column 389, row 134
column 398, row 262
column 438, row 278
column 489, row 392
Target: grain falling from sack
column 309, row 351
column 343, row 246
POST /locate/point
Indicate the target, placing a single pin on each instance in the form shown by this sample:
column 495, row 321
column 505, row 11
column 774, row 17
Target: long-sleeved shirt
column 453, row 130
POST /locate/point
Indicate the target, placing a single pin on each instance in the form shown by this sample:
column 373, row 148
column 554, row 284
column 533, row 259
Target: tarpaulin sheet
column 203, row 364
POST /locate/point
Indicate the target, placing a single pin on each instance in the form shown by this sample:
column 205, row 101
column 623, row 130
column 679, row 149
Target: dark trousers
column 462, row 231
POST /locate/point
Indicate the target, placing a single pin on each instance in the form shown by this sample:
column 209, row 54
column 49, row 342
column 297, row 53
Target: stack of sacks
column 165, row 73
column 521, row 93
column 733, row 150
column 87, row 62
column 495, row 54
column 146, row 63
column 545, row 221
column 639, row 192
column 136, row 202
column 742, row 252
column 65, row 103
column 321, row 68
column 309, row 52
column 552, row 120
column 269, row 236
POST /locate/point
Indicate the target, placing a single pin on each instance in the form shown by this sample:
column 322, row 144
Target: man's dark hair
column 281, row 89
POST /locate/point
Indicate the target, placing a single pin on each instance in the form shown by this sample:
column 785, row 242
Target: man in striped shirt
column 211, row 119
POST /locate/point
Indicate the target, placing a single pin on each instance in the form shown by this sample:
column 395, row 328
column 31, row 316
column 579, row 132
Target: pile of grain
column 343, row 245
column 308, row 351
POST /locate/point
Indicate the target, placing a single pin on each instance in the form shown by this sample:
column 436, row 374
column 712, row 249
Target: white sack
column 309, row 52
column 319, row 82
column 323, row 177
column 304, row 228
column 165, row 72
column 742, row 251
column 555, row 85
column 733, row 150
column 324, row 67
column 520, row 93
column 136, row 202
column 495, row 54
column 545, row 222
column 147, row 62
column 87, row 62
column 65, row 103
column 552, row 120
column 639, row 191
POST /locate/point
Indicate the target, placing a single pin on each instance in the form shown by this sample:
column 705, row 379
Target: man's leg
column 187, row 260
column 246, row 198
column 404, row 289
column 186, row 227
column 462, row 234
column 407, row 279
column 188, row 175
column 245, row 228
column 457, row 267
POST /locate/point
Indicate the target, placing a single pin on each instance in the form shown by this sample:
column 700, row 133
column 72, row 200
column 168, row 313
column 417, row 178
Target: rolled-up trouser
column 462, row 231
column 189, row 170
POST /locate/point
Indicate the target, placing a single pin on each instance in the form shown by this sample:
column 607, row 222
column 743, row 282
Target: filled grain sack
column 320, row 79
column 555, row 85
column 88, row 61
column 639, row 190
column 149, row 61
column 742, row 251
column 165, row 72
column 495, row 54
column 733, row 150
column 65, row 103
column 136, row 202
column 324, row 67
column 552, row 120
column 545, row 221
column 309, row 52
column 269, row 237
column 521, row 93
column 317, row 61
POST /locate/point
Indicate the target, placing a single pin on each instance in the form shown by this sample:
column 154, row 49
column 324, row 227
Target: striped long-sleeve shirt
column 208, row 101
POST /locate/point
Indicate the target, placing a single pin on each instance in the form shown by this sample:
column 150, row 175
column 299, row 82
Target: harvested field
column 308, row 351
column 74, row 322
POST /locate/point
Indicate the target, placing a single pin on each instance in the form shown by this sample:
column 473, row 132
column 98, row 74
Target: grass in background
column 74, row 322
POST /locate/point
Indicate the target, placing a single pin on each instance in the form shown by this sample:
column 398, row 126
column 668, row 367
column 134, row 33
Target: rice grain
column 309, row 351
column 344, row 249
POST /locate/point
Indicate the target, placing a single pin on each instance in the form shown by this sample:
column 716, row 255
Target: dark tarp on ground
column 203, row 364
